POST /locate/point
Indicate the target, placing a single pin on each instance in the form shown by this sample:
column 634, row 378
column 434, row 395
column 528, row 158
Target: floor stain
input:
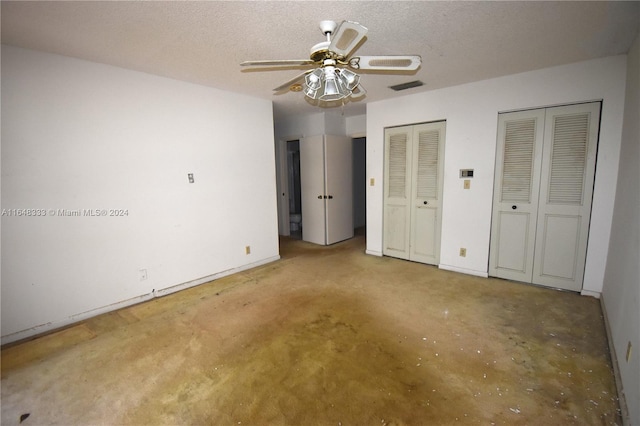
column 327, row 335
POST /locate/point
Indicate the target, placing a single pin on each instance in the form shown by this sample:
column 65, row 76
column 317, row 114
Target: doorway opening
column 360, row 186
column 359, row 159
column 295, row 197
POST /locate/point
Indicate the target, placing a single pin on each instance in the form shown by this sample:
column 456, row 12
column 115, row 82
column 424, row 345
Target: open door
column 327, row 189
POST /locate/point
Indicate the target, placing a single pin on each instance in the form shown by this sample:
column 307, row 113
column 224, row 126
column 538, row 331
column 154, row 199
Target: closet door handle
column 425, row 202
column 319, row 197
column 330, row 197
column 514, row 207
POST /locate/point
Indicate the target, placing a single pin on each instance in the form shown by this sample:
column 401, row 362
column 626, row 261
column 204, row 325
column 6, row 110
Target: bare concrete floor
column 325, row 336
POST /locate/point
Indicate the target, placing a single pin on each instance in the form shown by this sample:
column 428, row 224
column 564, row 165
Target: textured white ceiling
column 203, row 42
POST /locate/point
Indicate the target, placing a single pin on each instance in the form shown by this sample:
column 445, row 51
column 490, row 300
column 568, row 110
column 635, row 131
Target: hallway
column 327, row 336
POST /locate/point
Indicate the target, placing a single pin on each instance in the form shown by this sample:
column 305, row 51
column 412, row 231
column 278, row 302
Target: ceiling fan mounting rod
column 328, row 27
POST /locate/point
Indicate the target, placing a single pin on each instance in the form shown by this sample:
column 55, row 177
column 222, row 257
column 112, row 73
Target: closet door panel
column 516, row 189
column 557, row 255
column 426, row 200
column 511, row 252
column 570, row 145
column 424, row 247
column 397, row 192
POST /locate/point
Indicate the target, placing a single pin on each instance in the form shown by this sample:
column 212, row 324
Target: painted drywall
column 621, row 293
column 471, row 112
column 300, row 126
column 86, row 137
column 356, row 126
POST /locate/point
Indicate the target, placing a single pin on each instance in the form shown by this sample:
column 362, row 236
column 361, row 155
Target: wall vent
column 405, row 86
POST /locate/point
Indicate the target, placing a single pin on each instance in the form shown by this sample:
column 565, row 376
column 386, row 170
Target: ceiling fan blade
column 277, row 62
column 346, row 38
column 291, row 82
column 386, row 63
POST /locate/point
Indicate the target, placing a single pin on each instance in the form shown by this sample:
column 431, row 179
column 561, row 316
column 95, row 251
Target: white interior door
column 326, row 174
column 515, row 202
column 397, row 191
column 569, row 160
column 338, row 160
column 413, row 192
column 312, row 189
column 426, row 197
column 545, row 168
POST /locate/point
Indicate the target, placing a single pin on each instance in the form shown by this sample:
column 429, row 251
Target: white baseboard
column 54, row 325
column 595, row 294
column 373, row 253
column 622, row 400
column 463, row 270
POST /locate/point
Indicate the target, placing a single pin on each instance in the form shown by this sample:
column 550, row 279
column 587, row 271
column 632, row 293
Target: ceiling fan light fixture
column 312, row 83
column 330, row 84
column 349, row 78
column 333, row 89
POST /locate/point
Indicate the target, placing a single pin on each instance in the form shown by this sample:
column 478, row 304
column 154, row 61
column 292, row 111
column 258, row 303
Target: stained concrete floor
column 325, row 336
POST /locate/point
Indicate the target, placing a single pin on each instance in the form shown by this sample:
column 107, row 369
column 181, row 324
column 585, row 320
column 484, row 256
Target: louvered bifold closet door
column 426, row 200
column 515, row 203
column 569, row 154
column 397, row 192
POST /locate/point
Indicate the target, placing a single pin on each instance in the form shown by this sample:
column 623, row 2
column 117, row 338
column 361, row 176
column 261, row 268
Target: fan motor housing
column 320, row 52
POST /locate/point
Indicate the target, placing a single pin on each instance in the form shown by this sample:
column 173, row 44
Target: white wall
column 471, row 112
column 356, row 126
column 621, row 294
column 300, row 126
column 82, row 135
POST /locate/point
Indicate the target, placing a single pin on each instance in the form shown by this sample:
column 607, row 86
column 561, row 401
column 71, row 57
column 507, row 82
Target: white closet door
column 515, row 202
column 397, row 192
column 413, row 192
column 545, row 168
column 571, row 135
column 426, row 200
column 338, row 159
column 312, row 189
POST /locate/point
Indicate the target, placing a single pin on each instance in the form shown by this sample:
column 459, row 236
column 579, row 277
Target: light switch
column 467, row 184
column 372, row 182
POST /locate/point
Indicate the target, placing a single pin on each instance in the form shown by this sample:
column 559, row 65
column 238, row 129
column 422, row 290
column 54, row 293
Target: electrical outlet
column 463, row 252
column 372, row 182
column 467, row 184
column 143, row 274
column 629, row 346
column 247, row 250
column 190, row 177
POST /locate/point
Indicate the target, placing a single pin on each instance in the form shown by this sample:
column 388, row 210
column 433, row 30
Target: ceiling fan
column 332, row 80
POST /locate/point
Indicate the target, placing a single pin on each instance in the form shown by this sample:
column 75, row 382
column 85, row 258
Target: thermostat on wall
column 466, row 173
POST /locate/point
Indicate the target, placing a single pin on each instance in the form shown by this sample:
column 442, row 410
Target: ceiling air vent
column 405, row 86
